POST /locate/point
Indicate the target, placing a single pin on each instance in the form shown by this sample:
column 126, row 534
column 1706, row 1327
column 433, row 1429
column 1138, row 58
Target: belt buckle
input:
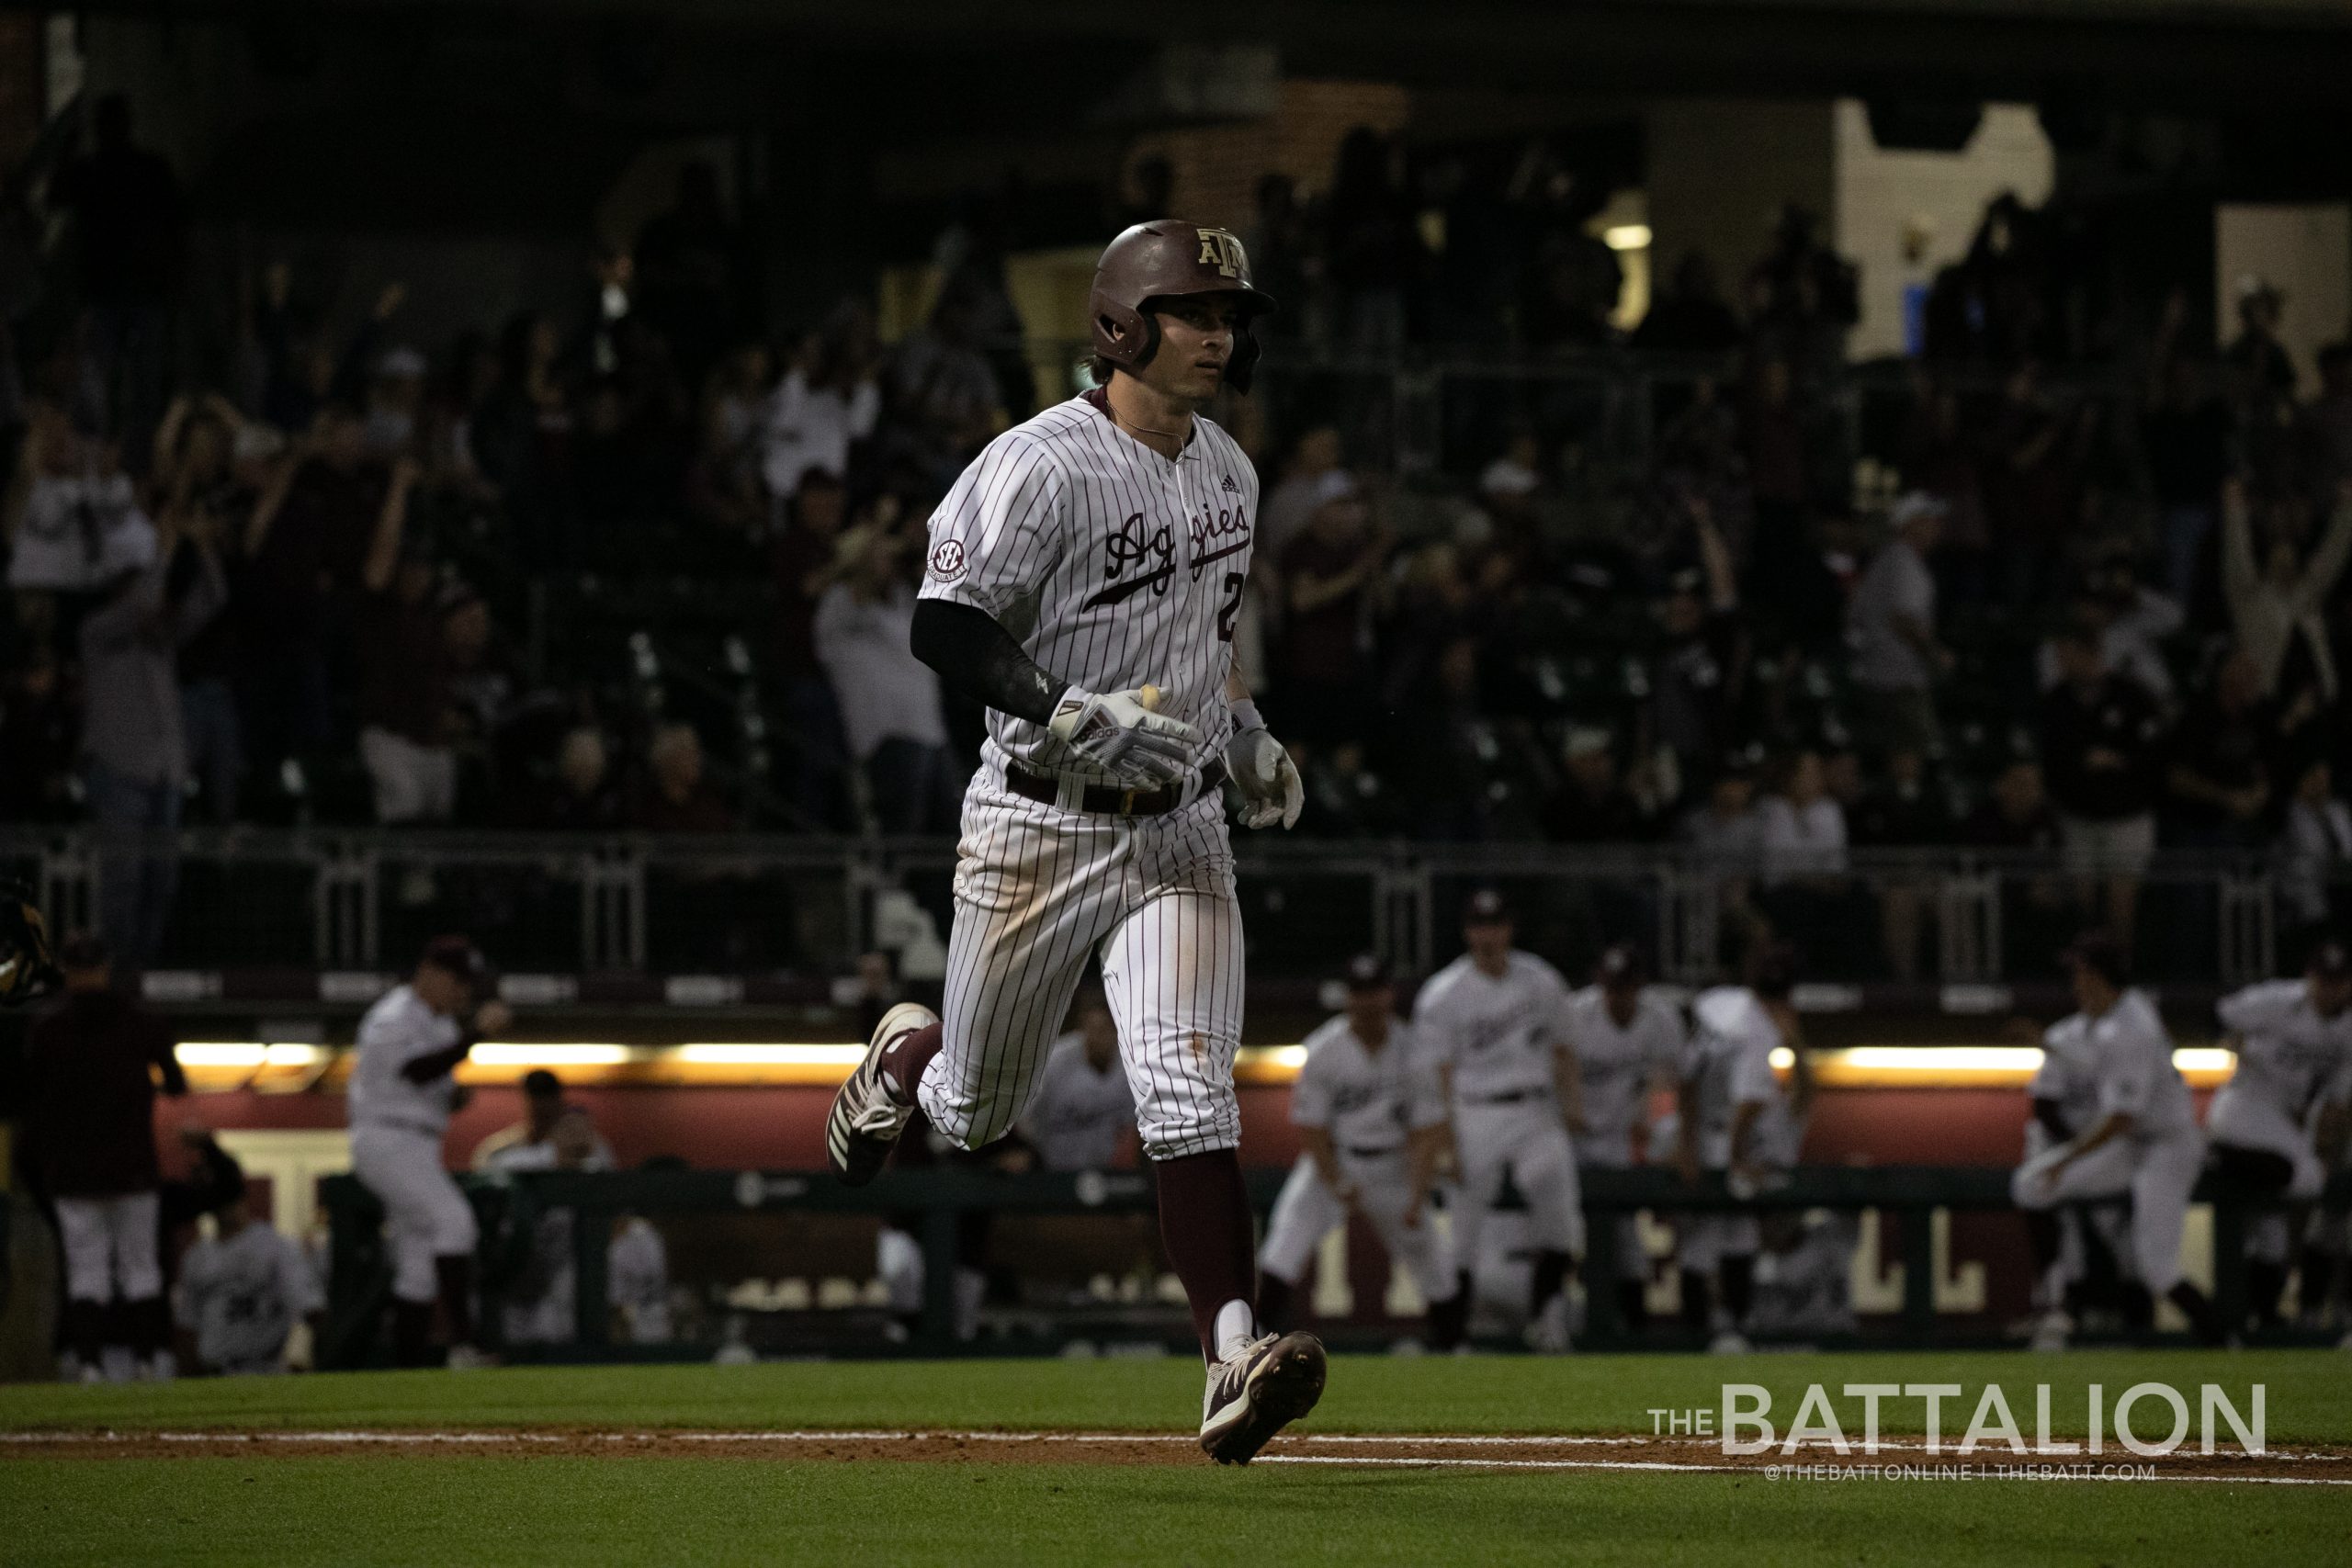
column 1127, row 802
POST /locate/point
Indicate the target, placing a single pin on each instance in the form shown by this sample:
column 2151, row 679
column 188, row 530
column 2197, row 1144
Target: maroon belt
column 1109, row 799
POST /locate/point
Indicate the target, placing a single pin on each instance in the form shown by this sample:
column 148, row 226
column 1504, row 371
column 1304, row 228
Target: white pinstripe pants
column 1038, row 890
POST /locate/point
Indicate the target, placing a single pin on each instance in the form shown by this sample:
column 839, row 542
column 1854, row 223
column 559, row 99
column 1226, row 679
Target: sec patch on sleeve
column 946, row 562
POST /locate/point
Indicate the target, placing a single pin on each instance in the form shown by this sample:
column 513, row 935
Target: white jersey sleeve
column 1000, row 532
column 2136, row 1077
column 2258, row 1008
column 1313, row 1096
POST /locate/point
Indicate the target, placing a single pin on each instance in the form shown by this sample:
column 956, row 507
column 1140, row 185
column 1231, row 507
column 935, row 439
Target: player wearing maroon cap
column 402, row 1092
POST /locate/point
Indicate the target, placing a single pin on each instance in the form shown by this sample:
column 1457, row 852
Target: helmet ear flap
column 1242, row 363
column 1123, row 334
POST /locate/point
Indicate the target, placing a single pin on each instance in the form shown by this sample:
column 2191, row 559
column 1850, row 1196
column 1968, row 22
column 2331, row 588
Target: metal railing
column 367, row 899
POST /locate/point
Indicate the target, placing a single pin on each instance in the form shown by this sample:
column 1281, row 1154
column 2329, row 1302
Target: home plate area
column 1895, row 1459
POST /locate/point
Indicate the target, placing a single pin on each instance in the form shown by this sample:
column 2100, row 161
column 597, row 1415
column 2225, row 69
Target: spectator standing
column 91, row 1068
column 2221, row 757
column 306, row 539
column 2185, row 432
column 828, row 402
column 134, row 752
column 1331, row 577
column 131, row 232
column 802, row 561
column 2102, row 742
column 2315, row 846
column 2275, row 602
column 1804, row 834
column 74, row 521
column 1691, row 316
column 1890, row 622
column 890, row 699
column 404, row 689
column 1290, row 505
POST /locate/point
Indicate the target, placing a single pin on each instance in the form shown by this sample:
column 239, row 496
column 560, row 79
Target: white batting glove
column 1271, row 789
column 1117, row 732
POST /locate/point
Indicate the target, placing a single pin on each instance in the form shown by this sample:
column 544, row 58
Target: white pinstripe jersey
column 1496, row 1032
column 2290, row 1058
column 1365, row 1099
column 1110, row 565
column 1617, row 1063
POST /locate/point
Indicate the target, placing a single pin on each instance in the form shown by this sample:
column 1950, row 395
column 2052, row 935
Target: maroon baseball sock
column 454, row 1272
column 902, row 1063
column 1206, row 1226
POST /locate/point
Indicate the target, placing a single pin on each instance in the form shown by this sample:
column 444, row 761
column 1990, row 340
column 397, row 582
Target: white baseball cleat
column 1547, row 1332
column 2053, row 1330
column 865, row 1122
column 1730, row 1342
column 1258, row 1390
column 469, row 1359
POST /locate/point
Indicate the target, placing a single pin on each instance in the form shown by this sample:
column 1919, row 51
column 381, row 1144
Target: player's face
column 1369, row 1007
column 1196, row 337
column 1624, row 1002
column 1489, row 943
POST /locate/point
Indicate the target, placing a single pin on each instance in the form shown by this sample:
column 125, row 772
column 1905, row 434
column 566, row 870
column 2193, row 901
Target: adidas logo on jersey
column 1229, row 487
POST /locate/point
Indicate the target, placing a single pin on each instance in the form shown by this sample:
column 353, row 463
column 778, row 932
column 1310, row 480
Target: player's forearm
column 1743, row 1130
column 975, row 655
column 435, row 1064
column 1567, row 1081
column 1324, row 1155
column 2113, row 1125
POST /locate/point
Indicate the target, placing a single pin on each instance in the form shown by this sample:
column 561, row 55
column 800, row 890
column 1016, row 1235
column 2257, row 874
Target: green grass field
column 503, row 1509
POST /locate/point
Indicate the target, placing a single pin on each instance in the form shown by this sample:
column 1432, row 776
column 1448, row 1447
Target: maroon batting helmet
column 1160, row 260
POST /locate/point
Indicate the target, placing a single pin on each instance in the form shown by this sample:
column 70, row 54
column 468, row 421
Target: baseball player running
column 402, row 1095
column 2144, row 1141
column 1494, row 1024
column 1372, row 1123
column 1083, row 579
column 2286, row 1101
column 1628, row 1044
column 1735, row 1120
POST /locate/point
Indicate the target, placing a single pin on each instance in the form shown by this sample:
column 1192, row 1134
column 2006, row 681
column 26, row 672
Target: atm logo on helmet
column 1221, row 249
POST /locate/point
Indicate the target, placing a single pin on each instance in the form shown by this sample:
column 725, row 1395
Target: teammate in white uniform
column 2285, row 1103
column 1736, row 1120
column 400, row 1098
column 1083, row 1110
column 1629, row 1045
column 1368, row 1111
column 1494, row 1025
column 243, row 1288
column 2063, row 1094
column 1083, row 579
column 2144, row 1141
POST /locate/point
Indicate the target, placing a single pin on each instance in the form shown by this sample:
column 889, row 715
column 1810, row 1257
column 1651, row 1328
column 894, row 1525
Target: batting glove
column 1115, row 732
column 1271, row 789
column 27, row 969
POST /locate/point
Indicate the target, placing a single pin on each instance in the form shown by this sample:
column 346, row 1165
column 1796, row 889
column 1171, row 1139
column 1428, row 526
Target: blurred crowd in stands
column 2051, row 584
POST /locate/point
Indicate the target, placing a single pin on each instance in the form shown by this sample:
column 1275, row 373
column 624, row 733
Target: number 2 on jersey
column 1230, row 608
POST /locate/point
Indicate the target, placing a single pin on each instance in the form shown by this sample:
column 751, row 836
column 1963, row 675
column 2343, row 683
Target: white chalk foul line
column 1816, row 1454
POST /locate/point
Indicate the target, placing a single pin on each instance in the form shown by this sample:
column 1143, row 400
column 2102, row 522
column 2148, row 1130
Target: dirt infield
column 1895, row 1459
